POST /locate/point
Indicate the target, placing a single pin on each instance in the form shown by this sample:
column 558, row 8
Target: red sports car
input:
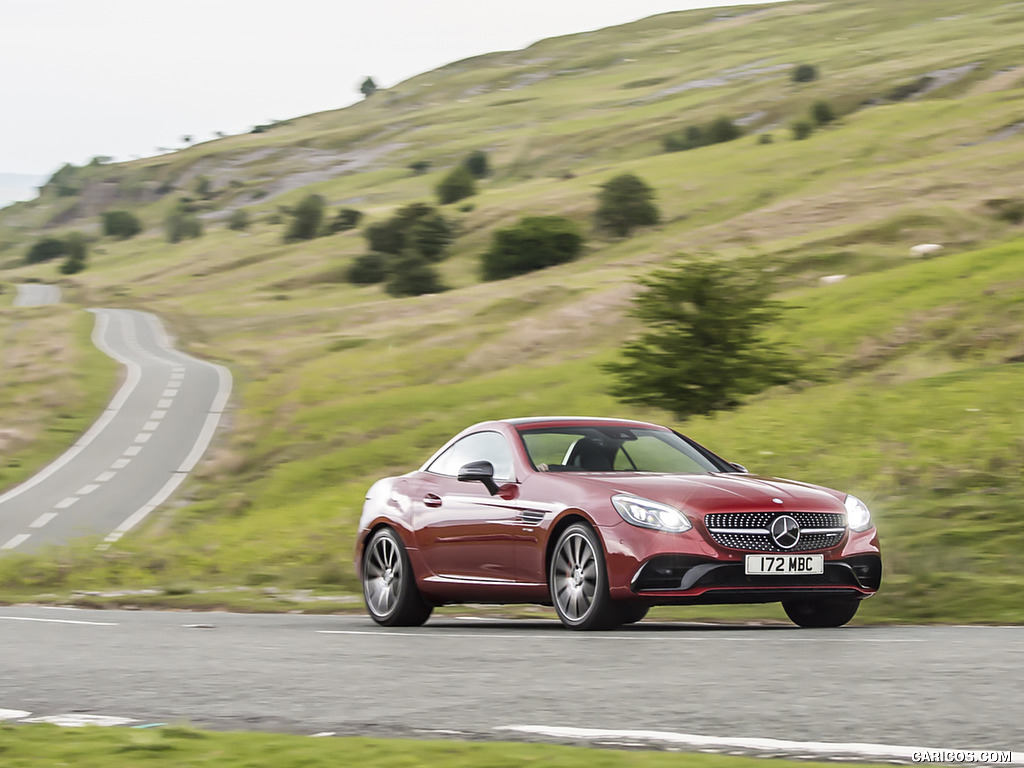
column 604, row 518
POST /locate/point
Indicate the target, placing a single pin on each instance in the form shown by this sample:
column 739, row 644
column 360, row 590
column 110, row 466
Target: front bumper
column 689, row 569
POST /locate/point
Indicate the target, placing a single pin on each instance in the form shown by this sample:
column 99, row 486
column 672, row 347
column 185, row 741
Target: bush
column 368, row 269
column 477, row 164
column 344, row 220
column 412, row 275
column 625, row 202
column 386, row 236
column 765, row 138
column 306, row 219
column 822, row 113
column 1010, row 210
column 239, row 220
column 419, row 167
column 804, row 73
column 47, row 249
column 722, row 130
column 458, row 184
column 534, row 243
column 691, row 138
column 180, row 225
column 121, row 224
column 703, row 349
column 76, row 248
column 802, row 129
column 417, row 227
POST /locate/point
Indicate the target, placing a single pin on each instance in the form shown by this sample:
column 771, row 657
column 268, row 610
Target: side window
column 481, row 446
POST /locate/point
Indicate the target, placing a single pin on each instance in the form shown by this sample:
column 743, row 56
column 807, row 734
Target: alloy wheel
column 575, row 576
column 383, row 576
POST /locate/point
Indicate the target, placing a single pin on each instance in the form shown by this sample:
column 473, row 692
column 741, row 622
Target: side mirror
column 480, row 472
column 740, row 468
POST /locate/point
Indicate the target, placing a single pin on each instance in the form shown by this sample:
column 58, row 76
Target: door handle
column 432, row 500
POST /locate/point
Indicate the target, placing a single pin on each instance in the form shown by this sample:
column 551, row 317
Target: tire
column 631, row 613
column 821, row 612
column 578, row 580
column 389, row 585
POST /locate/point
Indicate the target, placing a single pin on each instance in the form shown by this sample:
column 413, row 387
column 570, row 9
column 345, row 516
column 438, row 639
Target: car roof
column 567, row 421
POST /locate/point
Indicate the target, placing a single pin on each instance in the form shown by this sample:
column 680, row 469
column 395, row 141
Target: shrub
column 121, row 224
column 417, row 227
column 368, row 269
column 691, row 138
column 534, row 243
column 625, row 202
column 722, row 130
column 419, row 167
column 1009, row 210
column 477, row 164
column 239, row 220
column 703, row 349
column 306, row 219
column 412, row 275
column 430, row 236
column 804, row 73
column 45, row 250
column 368, row 88
column 386, row 236
column 181, row 224
column 458, row 184
column 822, row 113
column 802, row 129
column 203, row 187
column 76, row 248
column 765, row 138
column 345, row 219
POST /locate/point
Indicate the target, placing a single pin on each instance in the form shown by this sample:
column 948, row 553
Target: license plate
column 784, row 565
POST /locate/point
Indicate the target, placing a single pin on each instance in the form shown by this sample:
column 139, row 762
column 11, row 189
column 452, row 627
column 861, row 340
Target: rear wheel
column 578, row 579
column 389, row 586
column 821, row 612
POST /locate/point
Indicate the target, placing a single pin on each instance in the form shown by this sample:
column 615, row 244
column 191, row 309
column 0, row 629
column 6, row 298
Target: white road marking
column 113, row 408
column 177, row 376
column 120, row 463
column 105, row 476
column 13, row 714
column 143, row 437
column 140, row 514
column 629, row 635
column 169, row 393
column 132, row 450
column 17, row 541
column 80, row 721
column 85, row 490
column 66, row 503
column 60, row 621
column 43, row 519
column 814, row 748
column 321, row 734
column 149, row 426
column 165, row 404
column 157, row 415
column 177, row 368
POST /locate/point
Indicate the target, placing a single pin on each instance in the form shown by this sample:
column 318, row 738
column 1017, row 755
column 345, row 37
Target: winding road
column 858, row 691
column 151, row 435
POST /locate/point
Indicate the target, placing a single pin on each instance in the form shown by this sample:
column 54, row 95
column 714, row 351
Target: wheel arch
column 568, row 517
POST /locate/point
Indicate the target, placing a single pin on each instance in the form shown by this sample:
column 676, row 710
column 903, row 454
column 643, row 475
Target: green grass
column 914, row 365
column 41, row 746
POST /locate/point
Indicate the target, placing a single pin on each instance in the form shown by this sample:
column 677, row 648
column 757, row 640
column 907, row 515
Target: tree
column 47, row 249
column 625, row 202
column 306, row 219
column 416, row 227
column 477, row 163
column 419, row 167
column 413, row 275
column 182, row 224
column 534, row 243
column 458, row 184
column 704, row 347
column 368, row 269
column 802, row 129
column 239, row 220
column 804, row 73
column 430, row 236
column 822, row 113
column 344, row 220
column 368, row 88
column 121, row 224
column 76, row 250
column 722, row 130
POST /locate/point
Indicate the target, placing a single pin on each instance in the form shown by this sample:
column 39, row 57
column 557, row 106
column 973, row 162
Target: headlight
column 650, row 514
column 857, row 515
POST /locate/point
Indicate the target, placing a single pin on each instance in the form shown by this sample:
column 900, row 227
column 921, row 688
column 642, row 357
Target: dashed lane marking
column 157, row 415
column 70, row 500
column 85, row 490
column 149, row 426
column 105, row 476
column 165, row 403
column 43, row 519
column 17, row 541
column 143, row 437
column 169, row 393
column 132, row 450
column 120, row 463
column 60, row 621
column 177, row 376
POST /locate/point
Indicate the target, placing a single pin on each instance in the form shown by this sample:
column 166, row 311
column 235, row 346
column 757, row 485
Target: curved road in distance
column 934, row 687
column 132, row 459
column 36, row 295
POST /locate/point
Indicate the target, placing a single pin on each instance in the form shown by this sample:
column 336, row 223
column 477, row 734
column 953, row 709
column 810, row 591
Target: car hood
column 725, row 492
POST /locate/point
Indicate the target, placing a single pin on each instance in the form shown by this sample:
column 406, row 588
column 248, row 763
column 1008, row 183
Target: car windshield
column 612, row 449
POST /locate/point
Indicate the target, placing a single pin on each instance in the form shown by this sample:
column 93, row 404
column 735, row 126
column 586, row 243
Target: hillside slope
column 912, row 407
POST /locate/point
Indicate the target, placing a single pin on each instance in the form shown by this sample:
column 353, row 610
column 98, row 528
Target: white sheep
column 925, row 249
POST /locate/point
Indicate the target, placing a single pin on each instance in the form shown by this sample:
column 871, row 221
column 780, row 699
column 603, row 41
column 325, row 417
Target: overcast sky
column 80, row 78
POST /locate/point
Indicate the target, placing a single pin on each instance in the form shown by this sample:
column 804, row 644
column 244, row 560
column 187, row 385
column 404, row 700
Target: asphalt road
column 36, row 295
column 936, row 687
column 134, row 457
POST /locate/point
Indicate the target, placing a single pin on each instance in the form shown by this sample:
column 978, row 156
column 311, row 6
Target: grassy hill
column 917, row 363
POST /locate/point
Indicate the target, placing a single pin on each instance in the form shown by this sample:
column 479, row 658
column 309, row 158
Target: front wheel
column 578, row 579
column 821, row 612
column 389, row 586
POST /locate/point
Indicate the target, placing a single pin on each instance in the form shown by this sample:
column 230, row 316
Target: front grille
column 750, row 530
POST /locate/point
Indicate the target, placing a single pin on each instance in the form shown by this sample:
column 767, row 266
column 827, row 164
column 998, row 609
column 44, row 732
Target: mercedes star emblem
column 785, row 531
